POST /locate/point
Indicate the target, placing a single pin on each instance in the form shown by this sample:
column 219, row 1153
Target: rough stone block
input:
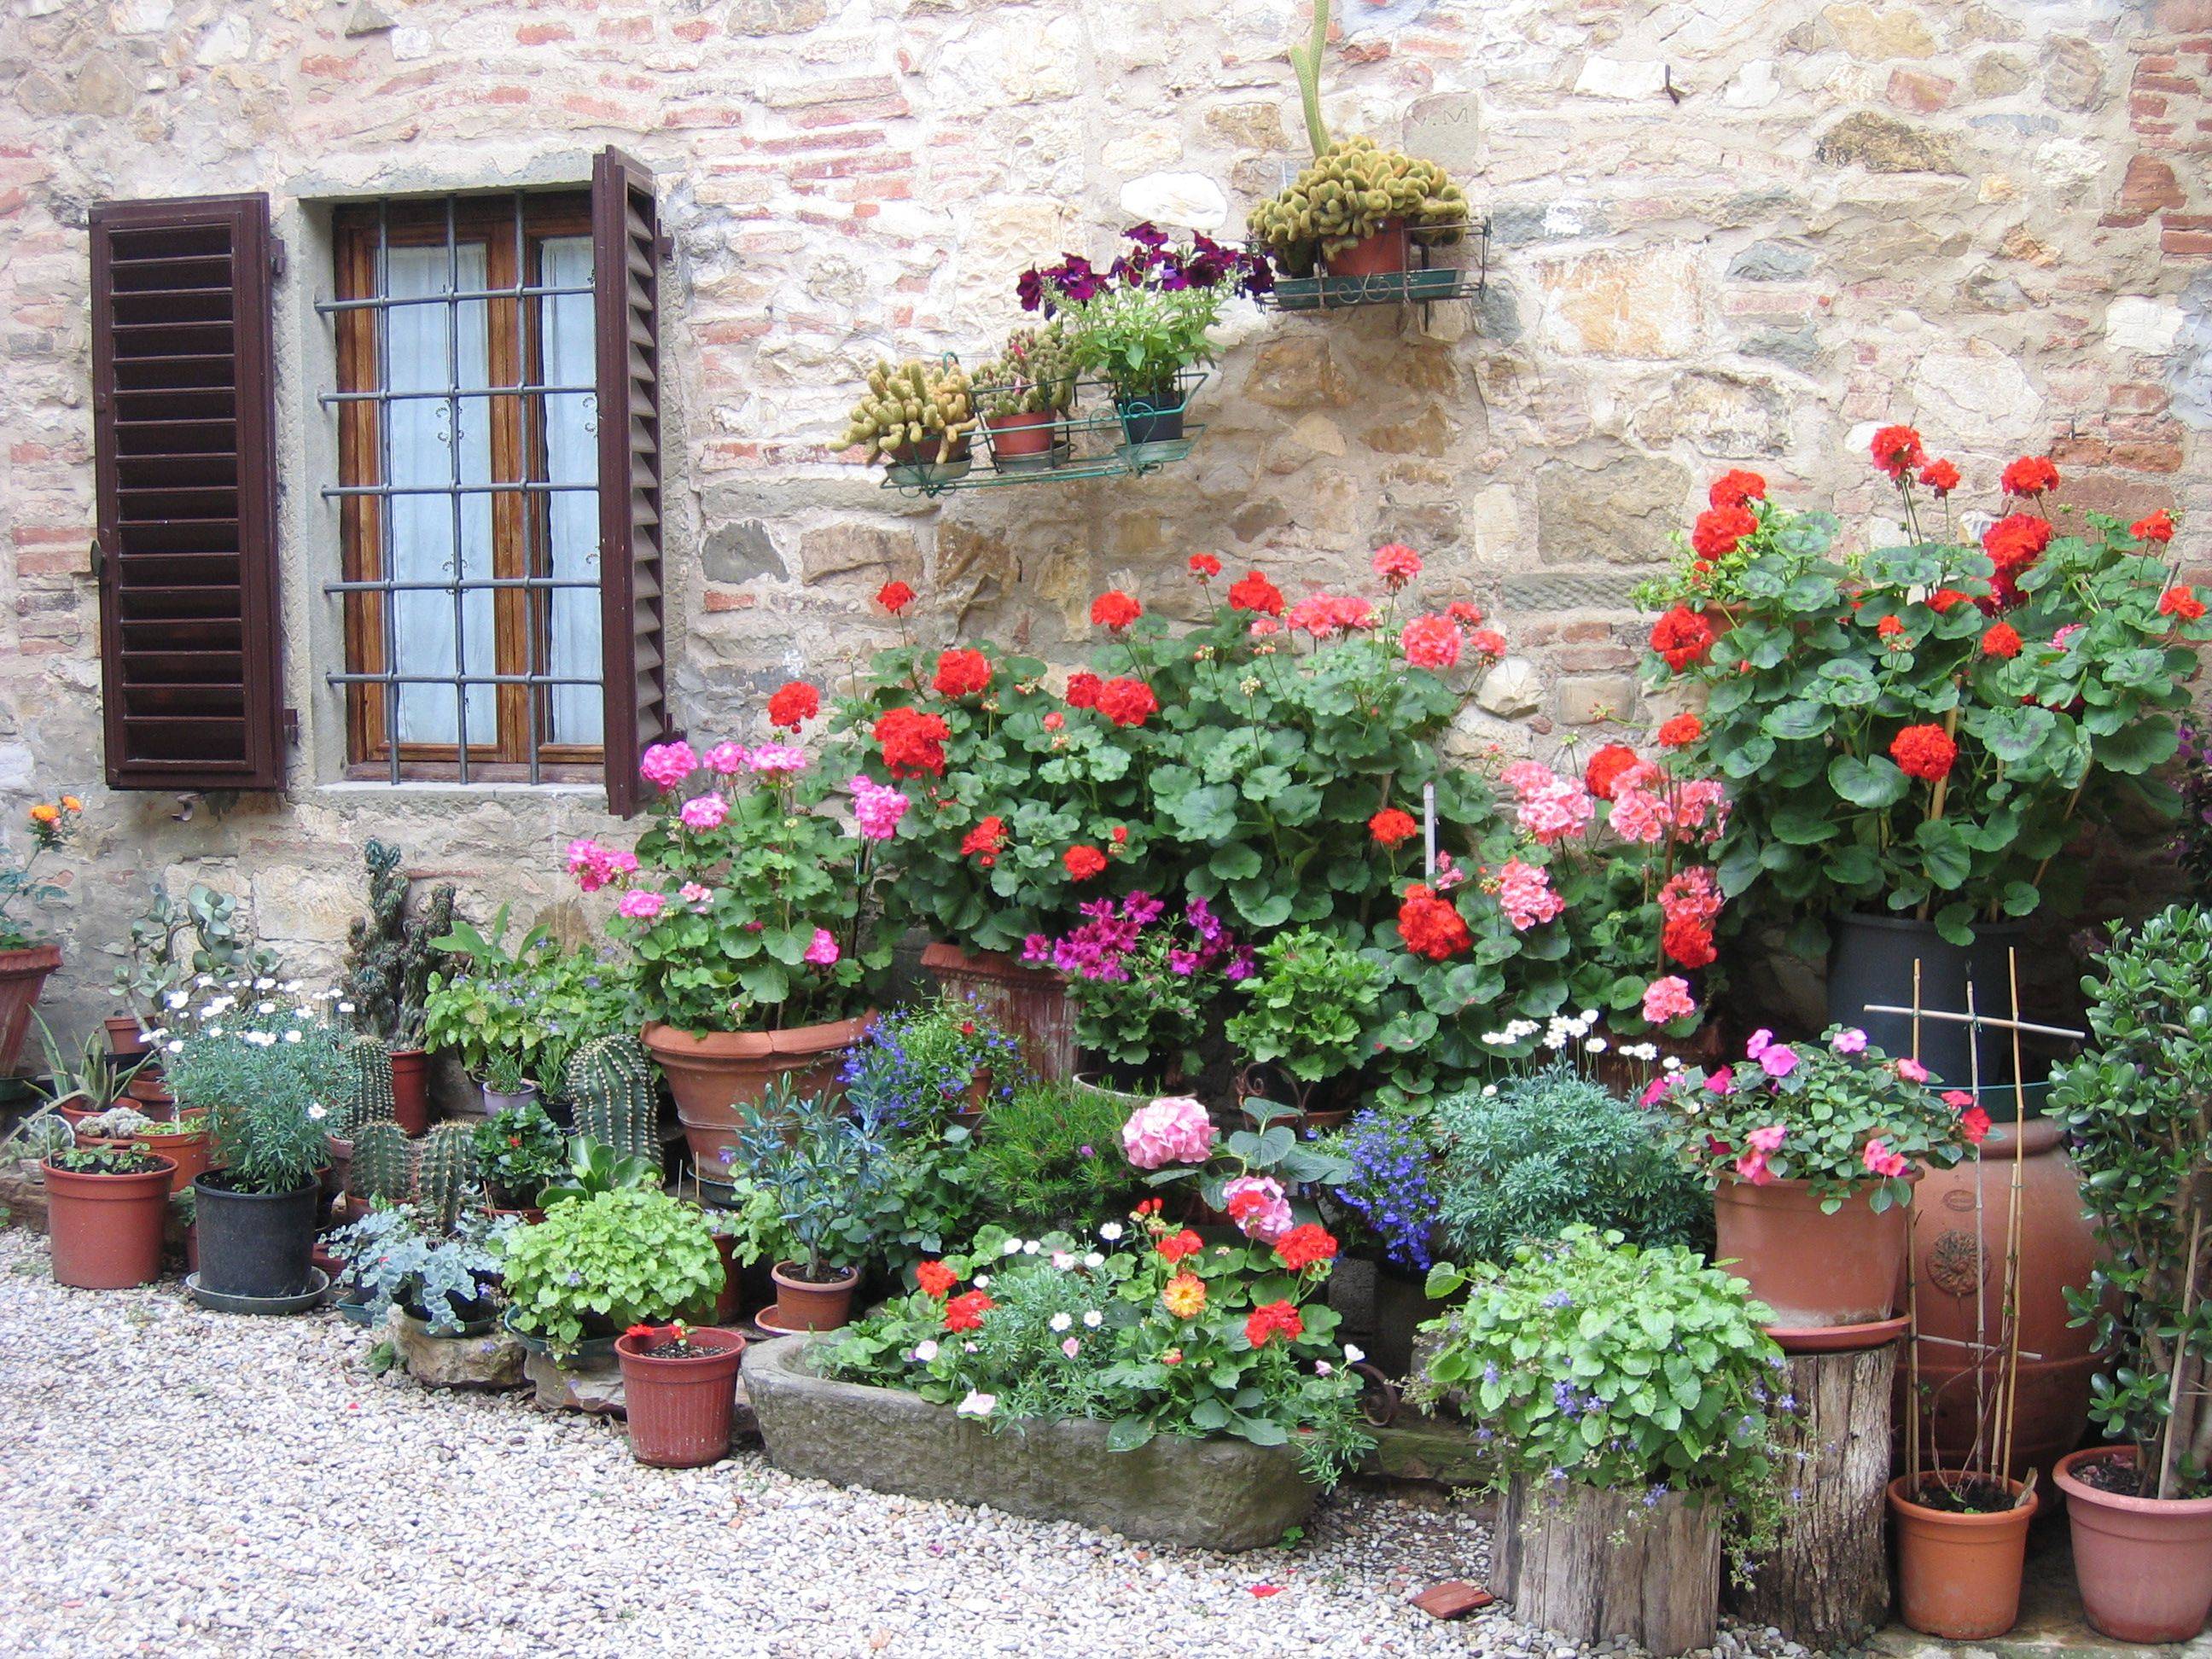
column 490, row 1361
column 1883, row 143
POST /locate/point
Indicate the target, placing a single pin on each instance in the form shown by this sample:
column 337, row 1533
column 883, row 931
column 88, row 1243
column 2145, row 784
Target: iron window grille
column 503, row 503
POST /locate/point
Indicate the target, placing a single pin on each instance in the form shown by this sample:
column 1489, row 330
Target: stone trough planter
column 1222, row 1494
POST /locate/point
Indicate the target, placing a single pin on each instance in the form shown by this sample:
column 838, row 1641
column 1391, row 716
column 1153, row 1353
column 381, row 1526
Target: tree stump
column 1592, row 1564
column 1826, row 1582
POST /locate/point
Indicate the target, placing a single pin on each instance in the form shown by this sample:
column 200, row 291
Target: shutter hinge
column 275, row 256
column 292, row 727
column 664, row 246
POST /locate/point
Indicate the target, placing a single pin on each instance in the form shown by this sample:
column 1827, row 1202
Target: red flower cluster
column 935, row 1278
column 1682, row 637
column 2014, row 543
column 1466, row 612
column 1115, row 610
column 1326, row 615
column 1605, row 767
column 1304, row 1246
column 1890, row 627
column 1944, row 597
column 1690, row 901
column 2155, row 527
column 961, row 673
column 1392, row 825
column 793, row 704
column 1432, row 926
column 1270, row 1319
column 913, row 743
column 1896, row 450
column 1923, row 752
column 1083, row 687
column 2031, row 475
column 1681, row 731
column 1396, row 564
column 2180, row 603
column 2001, row 641
column 985, row 841
column 1941, row 476
column 1716, row 533
column 1177, row 1246
column 1736, row 487
column 1256, row 592
column 1688, row 943
column 895, row 597
column 1430, row 642
column 1486, row 642
column 965, row 1311
column 1083, row 862
column 1128, row 702
column 1204, row 566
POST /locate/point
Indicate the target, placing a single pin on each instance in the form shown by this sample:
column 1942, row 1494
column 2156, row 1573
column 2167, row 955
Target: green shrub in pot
column 596, row 1266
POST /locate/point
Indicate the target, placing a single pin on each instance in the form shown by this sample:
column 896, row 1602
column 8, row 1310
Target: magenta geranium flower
column 642, row 905
column 824, row 951
column 704, row 813
column 667, row 765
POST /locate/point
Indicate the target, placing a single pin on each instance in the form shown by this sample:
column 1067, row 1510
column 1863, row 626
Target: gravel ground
column 173, row 1482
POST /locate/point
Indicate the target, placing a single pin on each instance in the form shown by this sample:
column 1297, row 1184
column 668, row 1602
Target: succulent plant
column 389, row 956
column 914, row 406
column 612, row 1089
column 42, row 1134
column 1034, row 375
column 444, row 1169
column 1352, row 189
column 383, row 1164
column 367, row 1097
column 116, row 1123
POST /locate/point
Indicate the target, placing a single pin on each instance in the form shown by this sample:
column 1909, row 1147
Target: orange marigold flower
column 46, row 812
column 71, row 804
column 1184, row 1298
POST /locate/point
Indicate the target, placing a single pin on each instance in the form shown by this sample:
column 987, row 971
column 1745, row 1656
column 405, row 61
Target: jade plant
column 913, row 411
column 596, row 1266
column 1034, row 374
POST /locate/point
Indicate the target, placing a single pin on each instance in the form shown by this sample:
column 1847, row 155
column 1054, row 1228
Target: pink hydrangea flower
column 1768, row 1139
column 875, row 809
column 1173, row 1129
column 1849, row 1041
column 824, row 951
column 704, row 813
column 727, row 760
column 642, row 905
column 1259, row 1207
column 780, row 758
column 1524, row 891
column 1778, row 1060
column 667, row 765
column 1667, row 1000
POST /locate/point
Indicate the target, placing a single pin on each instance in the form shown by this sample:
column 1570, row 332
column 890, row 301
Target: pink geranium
column 1669, row 999
column 780, row 759
column 1524, row 892
column 1558, row 809
column 1430, row 642
column 1173, row 1129
column 1259, row 1207
column 703, row 812
column 667, row 765
column 694, row 895
column 875, row 810
column 727, row 760
column 595, row 866
column 642, row 905
column 824, row 951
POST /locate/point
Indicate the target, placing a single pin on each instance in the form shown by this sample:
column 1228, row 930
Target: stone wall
column 1723, row 232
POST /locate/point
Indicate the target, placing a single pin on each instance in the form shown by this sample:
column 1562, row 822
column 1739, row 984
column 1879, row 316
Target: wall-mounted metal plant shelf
column 1103, row 444
column 1418, row 278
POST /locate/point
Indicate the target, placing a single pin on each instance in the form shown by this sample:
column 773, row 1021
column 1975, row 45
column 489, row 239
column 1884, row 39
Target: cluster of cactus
column 1034, row 375
column 611, row 1088
column 383, row 1162
column 116, row 1123
column 1352, row 190
column 368, row 1097
column 444, row 1169
column 389, row 956
column 911, row 405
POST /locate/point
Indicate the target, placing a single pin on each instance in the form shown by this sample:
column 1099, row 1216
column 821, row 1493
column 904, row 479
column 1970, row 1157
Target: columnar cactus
column 926, row 408
column 383, row 1162
column 611, row 1085
column 1034, row 375
column 444, row 1169
column 368, row 1097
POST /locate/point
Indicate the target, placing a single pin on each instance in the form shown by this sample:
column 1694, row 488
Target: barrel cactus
column 367, row 1097
column 914, row 410
column 444, row 1169
column 612, row 1089
column 383, row 1164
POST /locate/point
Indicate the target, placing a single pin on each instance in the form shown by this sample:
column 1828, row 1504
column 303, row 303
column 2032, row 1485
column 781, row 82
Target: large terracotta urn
column 1958, row 1263
column 714, row 1075
column 1030, row 1005
column 22, row 976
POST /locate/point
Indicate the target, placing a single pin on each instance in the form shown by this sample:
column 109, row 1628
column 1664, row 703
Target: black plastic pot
column 1143, row 424
column 1871, row 960
column 256, row 1244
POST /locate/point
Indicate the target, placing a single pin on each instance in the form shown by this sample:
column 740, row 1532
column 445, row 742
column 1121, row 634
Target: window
column 468, row 486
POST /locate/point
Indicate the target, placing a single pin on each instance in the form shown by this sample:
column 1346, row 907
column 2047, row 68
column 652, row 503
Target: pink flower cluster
column 667, row 765
column 595, row 866
column 1777, row 1060
column 1550, row 807
column 1691, row 896
column 704, row 813
column 1880, row 1160
column 1259, row 1207
column 1752, row 1166
column 823, row 951
column 875, row 809
column 1667, row 1000
column 1173, row 1129
column 1524, row 892
column 1326, row 615
column 1648, row 806
column 641, row 904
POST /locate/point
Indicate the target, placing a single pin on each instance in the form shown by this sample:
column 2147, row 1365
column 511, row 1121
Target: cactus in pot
column 368, row 1094
column 1022, row 393
column 913, row 411
column 383, row 1164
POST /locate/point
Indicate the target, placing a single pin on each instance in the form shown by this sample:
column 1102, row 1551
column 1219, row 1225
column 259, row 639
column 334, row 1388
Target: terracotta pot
column 1382, row 253
column 728, row 1299
column 149, row 1091
column 105, row 1230
column 1029, row 1004
column 187, row 1149
column 1958, row 1575
column 679, row 1409
column 75, row 1114
column 804, row 1305
column 1812, row 1269
column 713, row 1074
column 1956, row 1264
column 968, row 1114
column 2144, row 1564
column 411, row 1090
column 22, row 976
column 125, row 1040
column 530, row 1214
column 1032, row 434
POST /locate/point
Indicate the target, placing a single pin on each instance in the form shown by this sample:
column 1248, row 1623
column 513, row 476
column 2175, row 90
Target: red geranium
column 2031, row 475
column 935, row 1278
column 1734, row 487
column 965, row 1311
column 1688, row 941
column 2002, row 640
column 1944, row 597
column 1486, row 642
column 1605, row 767
column 1115, row 610
column 1256, row 592
column 913, row 743
column 1204, row 566
column 1681, row 731
column 1082, row 861
column 1923, row 752
column 1396, row 564
column 1941, row 476
column 1681, row 637
column 1890, row 627
column 1392, row 825
column 1466, row 612
column 1430, row 642
column 1269, row 1319
column 1717, row 532
column 2155, row 527
column 1304, row 1246
column 1896, row 450
column 1128, row 702
column 985, row 840
column 1176, row 1246
column 793, row 704
column 2180, row 603
column 2016, row 541
column 1083, row 689
column 1432, row 926
column 961, row 673
column 895, row 597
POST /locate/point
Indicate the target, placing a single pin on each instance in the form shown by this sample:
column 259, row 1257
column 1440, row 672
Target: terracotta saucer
column 1840, row 1339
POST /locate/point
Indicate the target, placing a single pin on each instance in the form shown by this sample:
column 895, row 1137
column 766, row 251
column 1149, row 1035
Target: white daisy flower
column 1092, row 1319
column 1110, row 1231
column 1061, row 1321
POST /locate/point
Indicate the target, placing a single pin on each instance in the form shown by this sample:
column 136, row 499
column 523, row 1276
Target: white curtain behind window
column 421, row 341
column 572, row 427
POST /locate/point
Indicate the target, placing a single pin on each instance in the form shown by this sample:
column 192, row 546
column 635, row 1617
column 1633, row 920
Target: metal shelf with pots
column 1098, row 437
column 1397, row 265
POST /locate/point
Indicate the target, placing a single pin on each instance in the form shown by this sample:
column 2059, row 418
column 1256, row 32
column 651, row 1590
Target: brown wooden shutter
column 184, row 439
column 626, row 249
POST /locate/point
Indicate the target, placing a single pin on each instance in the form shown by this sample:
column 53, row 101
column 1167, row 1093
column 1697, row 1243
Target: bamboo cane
column 1912, row 1297
column 2009, row 1410
column 1982, row 1424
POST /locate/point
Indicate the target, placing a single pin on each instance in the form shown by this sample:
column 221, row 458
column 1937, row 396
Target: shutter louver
column 626, row 253
column 183, row 444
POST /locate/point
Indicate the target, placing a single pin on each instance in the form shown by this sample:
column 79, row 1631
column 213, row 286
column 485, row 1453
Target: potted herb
column 754, row 916
column 518, row 1152
column 515, row 1015
column 1811, row 1150
column 263, row 1071
column 25, row 959
column 916, row 417
column 597, row 1266
column 679, row 1390
column 1023, row 394
column 392, row 958
column 448, row 1284
column 503, row 1085
column 1147, row 985
column 1627, row 1393
column 824, row 1168
column 942, row 1061
column 2138, row 1104
column 1305, row 1013
column 105, row 1208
